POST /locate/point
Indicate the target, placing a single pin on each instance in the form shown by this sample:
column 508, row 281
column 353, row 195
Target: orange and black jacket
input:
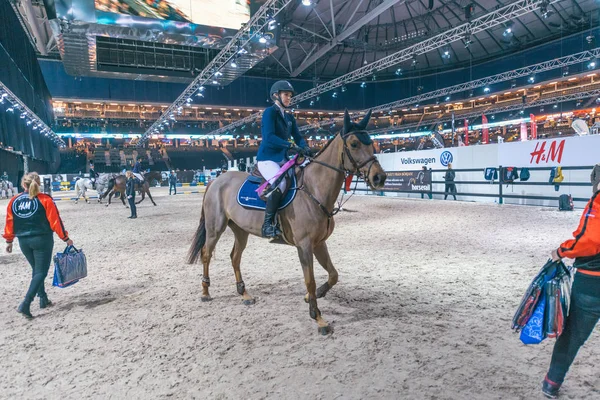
column 31, row 217
column 585, row 247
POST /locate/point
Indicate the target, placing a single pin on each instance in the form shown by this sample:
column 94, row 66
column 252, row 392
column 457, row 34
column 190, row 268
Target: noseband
column 355, row 171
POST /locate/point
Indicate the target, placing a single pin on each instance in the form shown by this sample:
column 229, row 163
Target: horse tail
column 200, row 236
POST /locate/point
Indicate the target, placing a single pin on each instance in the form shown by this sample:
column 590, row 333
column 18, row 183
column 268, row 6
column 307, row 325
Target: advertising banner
column 571, row 151
column 408, row 181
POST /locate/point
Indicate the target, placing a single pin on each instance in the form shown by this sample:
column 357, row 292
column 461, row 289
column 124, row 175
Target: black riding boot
column 270, row 228
column 24, row 308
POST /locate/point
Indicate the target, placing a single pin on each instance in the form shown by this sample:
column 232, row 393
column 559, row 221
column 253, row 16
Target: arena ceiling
column 330, row 38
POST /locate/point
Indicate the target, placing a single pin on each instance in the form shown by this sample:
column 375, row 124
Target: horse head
column 358, row 155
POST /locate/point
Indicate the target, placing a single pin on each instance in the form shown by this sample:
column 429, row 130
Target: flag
column 533, row 127
column 523, row 132
column 486, row 131
column 466, row 132
column 453, row 130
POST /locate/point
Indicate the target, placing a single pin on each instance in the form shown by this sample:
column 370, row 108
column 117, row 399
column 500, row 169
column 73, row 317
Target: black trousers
column 38, row 252
column 583, row 316
column 132, row 206
column 450, row 189
column 174, row 187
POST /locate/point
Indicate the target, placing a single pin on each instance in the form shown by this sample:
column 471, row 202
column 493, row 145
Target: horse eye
column 354, row 145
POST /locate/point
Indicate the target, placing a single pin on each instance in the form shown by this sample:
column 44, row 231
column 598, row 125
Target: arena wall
column 566, row 152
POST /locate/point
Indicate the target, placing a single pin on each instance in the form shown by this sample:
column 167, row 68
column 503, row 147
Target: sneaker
column 550, row 389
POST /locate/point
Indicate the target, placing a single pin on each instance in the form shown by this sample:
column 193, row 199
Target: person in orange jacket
column 32, row 217
column 584, row 311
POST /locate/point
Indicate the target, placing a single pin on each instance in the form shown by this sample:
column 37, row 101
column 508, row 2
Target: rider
column 137, row 170
column 93, row 175
column 278, row 129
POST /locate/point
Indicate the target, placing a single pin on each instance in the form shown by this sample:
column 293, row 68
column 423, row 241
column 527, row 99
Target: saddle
column 248, row 197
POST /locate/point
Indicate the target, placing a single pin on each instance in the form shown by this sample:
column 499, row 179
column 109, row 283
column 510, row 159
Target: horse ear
column 347, row 122
column 365, row 121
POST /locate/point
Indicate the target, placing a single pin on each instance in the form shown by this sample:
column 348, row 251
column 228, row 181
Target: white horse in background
column 6, row 190
column 82, row 185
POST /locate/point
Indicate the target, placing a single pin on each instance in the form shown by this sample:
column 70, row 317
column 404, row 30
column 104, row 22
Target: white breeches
column 268, row 170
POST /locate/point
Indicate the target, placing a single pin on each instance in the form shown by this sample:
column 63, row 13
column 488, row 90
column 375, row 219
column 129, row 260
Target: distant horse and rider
column 117, row 185
column 306, row 223
column 84, row 184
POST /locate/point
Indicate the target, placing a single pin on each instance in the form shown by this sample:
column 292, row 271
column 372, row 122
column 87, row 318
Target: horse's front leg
column 324, row 259
column 305, row 253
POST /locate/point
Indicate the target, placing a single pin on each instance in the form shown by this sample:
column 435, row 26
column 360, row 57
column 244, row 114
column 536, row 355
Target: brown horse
column 117, row 184
column 306, row 223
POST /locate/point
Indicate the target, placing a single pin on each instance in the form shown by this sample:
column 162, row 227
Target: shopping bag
column 558, row 291
column 533, row 294
column 533, row 331
column 69, row 267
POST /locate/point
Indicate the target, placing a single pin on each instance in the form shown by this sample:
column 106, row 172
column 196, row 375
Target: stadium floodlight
column 307, row 3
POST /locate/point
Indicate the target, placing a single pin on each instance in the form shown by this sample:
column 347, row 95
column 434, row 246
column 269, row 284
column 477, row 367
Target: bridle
column 356, row 166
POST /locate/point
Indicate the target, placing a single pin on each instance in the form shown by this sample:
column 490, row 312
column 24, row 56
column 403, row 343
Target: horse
column 306, row 223
column 6, row 189
column 117, row 184
column 83, row 184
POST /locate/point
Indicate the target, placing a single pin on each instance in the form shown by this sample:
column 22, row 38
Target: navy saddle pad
column 247, row 196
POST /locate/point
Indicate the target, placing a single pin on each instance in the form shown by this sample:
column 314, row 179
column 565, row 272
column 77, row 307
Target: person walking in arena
column 130, row 193
column 449, row 177
column 32, row 217
column 172, row 183
column 584, row 310
column 278, row 130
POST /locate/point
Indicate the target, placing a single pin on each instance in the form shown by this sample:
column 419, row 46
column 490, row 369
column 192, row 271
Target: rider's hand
column 9, row 247
column 69, row 242
column 554, row 255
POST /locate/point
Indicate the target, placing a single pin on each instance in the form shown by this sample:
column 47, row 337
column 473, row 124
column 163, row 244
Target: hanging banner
column 453, row 128
column 523, row 132
column 408, row 181
column 466, row 132
column 485, row 130
column 533, row 127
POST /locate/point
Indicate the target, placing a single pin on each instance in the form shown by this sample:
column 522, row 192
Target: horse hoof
column 205, row 298
column 325, row 330
column 249, row 302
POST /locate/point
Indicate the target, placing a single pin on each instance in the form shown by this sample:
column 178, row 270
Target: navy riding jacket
column 130, row 187
column 276, row 134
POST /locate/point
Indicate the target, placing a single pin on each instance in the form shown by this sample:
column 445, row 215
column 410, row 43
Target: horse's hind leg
column 322, row 255
column 241, row 240
column 215, row 226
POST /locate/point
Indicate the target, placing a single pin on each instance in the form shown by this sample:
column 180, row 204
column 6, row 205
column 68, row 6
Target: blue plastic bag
column 69, row 267
column 533, row 332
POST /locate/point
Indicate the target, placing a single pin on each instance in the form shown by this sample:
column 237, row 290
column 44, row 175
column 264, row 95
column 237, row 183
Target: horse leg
column 214, row 229
column 122, row 197
column 150, row 196
column 322, row 255
column 305, row 253
column 110, row 195
column 241, row 240
column 143, row 196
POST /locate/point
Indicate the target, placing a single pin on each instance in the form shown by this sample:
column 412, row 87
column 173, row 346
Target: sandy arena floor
column 422, row 310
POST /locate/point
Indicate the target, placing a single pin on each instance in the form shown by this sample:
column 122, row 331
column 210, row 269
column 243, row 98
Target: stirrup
column 270, row 231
